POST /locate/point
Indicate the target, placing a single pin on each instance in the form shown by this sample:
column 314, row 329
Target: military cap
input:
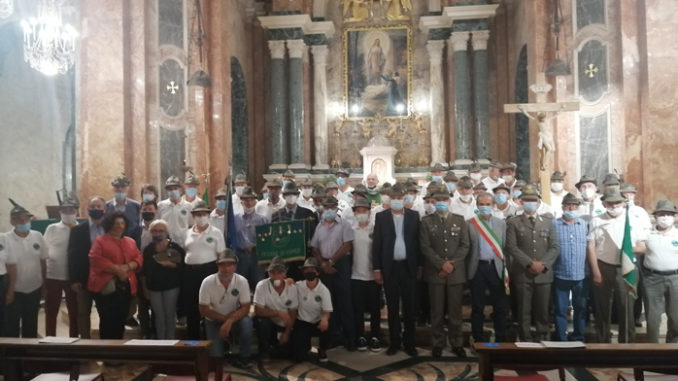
column 450, row 176
column 318, row 191
column 70, row 201
column 227, row 256
column 385, row 189
column 275, row 183
column 611, row 179
column 628, row 188
column 191, row 179
column 331, row 185
column 495, row 164
column 398, row 189
column 411, row 187
column 240, row 178
column 507, row 165
column 306, row 182
column 311, row 262
column 18, row 210
column 557, row 175
column 465, row 183
column 248, row 192
column 342, row 171
column 360, row 189
column 277, row 265
column 289, row 174
column 500, row 187
column 121, row 181
column 361, row 202
column 665, row 206
column 479, row 186
column 330, row 201
column 612, row 195
column 519, row 184
column 571, row 199
column 530, row 192
column 221, row 192
column 172, row 181
column 438, row 167
column 440, row 192
column 201, row 207
column 586, row 179
column 290, row 188
column 475, row 167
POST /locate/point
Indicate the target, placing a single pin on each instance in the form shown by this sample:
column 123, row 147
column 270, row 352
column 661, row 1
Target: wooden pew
column 13, row 351
column 508, row 356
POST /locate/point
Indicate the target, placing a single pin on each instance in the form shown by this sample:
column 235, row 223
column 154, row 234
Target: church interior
column 151, row 88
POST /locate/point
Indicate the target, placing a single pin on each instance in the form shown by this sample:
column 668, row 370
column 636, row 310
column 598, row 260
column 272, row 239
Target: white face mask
column 306, row 192
column 665, row 222
column 201, row 221
column 68, row 219
column 588, row 193
column 466, row 197
column 291, row 199
column 248, row 210
column 556, row 187
column 362, row 217
column 616, row 212
column 507, row 178
column 429, row 208
column 476, row 176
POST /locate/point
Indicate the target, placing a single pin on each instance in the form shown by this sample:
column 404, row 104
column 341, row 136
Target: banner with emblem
column 285, row 239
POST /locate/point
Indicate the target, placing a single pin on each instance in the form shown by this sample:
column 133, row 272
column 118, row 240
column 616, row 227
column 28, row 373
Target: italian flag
column 628, row 268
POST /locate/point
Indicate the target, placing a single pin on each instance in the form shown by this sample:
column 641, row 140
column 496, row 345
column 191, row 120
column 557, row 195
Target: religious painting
column 377, row 72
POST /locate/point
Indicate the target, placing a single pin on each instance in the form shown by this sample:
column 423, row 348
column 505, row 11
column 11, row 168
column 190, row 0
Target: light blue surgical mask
column 24, row 228
column 120, row 195
column 221, row 204
column 451, row 186
column 397, row 204
column 485, row 210
column 239, row 189
column 409, row 199
column 437, row 179
column 191, row 192
column 442, row 206
column 174, row 194
column 285, row 183
column 500, row 198
column 571, row 214
column 517, row 193
column 330, row 214
column 341, row 181
column 266, row 196
column 530, row 206
column 148, row 197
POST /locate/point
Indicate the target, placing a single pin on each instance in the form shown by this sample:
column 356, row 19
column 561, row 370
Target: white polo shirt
column 6, row 256
column 662, row 250
column 28, row 252
column 362, row 253
column 466, row 210
column 313, row 303
column 203, row 247
column 224, row 300
column 177, row 216
column 608, row 233
column 56, row 238
column 266, row 209
column 218, row 221
column 266, row 296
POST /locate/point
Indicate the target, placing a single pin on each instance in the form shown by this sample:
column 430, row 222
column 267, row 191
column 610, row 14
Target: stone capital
column 277, row 48
column 296, row 48
column 479, row 39
column 435, row 51
column 459, row 41
column 319, row 54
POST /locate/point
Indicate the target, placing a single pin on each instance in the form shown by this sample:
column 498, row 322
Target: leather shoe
column 411, row 351
column 392, row 350
column 437, row 352
column 459, row 351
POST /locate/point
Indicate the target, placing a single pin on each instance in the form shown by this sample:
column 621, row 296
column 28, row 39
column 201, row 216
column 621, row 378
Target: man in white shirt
column 267, row 206
column 306, row 199
column 344, row 189
column 493, row 179
column 465, row 204
column 224, row 300
column 191, row 184
column 239, row 184
column 558, row 192
column 475, row 173
column 591, row 205
column 218, row 215
column 503, row 207
column 28, row 250
column 508, row 174
column 175, row 210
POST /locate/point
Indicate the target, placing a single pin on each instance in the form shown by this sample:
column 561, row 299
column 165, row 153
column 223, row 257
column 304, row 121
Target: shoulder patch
column 235, row 292
column 288, row 302
column 674, row 243
column 318, row 298
column 36, row 246
column 1, row 247
column 184, row 212
column 209, row 239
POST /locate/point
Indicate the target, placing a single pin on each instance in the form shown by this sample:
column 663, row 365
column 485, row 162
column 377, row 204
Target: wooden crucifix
column 542, row 113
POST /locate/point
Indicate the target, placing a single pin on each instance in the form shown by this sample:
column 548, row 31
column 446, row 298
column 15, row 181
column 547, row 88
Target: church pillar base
column 277, row 167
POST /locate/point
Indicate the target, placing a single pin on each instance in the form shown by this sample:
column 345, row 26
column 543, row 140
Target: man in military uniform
column 532, row 248
column 444, row 242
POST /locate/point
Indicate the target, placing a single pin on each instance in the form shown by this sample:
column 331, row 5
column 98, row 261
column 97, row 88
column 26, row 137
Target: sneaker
column 362, row 344
column 375, row 344
column 322, row 355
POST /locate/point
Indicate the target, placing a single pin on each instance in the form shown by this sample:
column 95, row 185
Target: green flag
column 628, row 268
column 205, row 196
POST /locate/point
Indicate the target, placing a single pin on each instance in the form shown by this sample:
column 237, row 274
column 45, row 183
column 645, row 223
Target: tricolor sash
column 491, row 238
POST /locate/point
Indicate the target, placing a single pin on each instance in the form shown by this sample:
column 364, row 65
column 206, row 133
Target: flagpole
column 628, row 292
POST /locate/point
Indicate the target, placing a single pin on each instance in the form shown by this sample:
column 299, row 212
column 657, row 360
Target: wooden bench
column 14, row 351
column 508, row 356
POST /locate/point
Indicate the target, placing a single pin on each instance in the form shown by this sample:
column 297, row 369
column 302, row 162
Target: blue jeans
column 243, row 328
column 248, row 266
column 561, row 300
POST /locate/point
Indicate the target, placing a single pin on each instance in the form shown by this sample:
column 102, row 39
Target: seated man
column 315, row 306
column 275, row 306
column 225, row 302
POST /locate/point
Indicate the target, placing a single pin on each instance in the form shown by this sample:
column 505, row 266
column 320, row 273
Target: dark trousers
column 22, row 314
column 3, row 308
column 193, row 277
column 267, row 334
column 399, row 287
column 485, row 279
column 342, row 324
column 113, row 309
column 366, row 295
column 54, row 289
column 301, row 338
column 423, row 307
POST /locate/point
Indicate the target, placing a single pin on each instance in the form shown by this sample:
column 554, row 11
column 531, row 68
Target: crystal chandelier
column 6, row 8
column 49, row 44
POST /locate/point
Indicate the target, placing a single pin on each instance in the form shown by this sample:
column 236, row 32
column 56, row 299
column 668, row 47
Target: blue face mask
column 517, row 193
column 451, row 186
column 221, row 204
column 330, row 214
column 95, row 214
column 285, row 183
column 266, row 196
column 148, row 197
column 500, row 198
column 174, row 194
column 120, row 195
column 239, row 189
column 442, row 206
column 191, row 192
column 341, row 181
column 409, row 199
column 485, row 210
column 397, row 204
column 437, row 179
column 24, row 228
column 571, row 214
column 530, row 206
column 159, row 238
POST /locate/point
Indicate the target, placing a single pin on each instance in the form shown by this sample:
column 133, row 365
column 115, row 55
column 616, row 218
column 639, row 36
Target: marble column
column 462, row 96
column 320, row 105
column 437, row 93
column 480, row 93
column 279, row 135
column 296, row 50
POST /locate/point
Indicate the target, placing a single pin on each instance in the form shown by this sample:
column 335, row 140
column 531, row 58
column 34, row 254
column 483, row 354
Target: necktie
column 532, row 220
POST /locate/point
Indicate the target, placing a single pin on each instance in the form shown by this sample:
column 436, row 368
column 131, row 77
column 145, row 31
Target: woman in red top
column 114, row 261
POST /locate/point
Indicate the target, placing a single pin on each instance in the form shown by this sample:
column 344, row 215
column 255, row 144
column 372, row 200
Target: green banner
column 284, row 239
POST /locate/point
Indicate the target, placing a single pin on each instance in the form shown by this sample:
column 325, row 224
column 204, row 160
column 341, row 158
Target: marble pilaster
column 462, row 96
column 296, row 49
column 435, row 52
column 279, row 127
column 480, row 93
column 320, row 105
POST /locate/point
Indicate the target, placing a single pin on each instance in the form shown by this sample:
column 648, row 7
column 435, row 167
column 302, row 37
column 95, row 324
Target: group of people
column 417, row 246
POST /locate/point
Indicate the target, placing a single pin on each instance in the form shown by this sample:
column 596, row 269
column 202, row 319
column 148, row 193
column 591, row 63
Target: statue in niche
column 398, row 10
column 355, row 10
column 545, row 144
column 334, row 164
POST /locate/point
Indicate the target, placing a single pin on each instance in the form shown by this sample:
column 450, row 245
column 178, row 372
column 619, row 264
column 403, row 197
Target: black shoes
column 322, row 355
column 375, row 345
column 392, row 350
column 437, row 352
column 460, row 352
column 362, row 343
column 411, row 351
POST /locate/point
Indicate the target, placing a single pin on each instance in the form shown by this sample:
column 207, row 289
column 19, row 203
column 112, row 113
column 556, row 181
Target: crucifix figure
column 543, row 112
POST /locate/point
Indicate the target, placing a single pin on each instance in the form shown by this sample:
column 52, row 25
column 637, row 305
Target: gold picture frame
column 377, row 72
